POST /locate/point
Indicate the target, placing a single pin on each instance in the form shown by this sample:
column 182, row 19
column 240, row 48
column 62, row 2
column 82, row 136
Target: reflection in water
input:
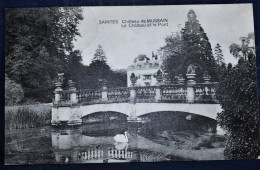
column 159, row 137
column 72, row 146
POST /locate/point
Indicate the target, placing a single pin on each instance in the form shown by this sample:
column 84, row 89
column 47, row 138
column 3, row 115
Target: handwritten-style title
column 163, row 22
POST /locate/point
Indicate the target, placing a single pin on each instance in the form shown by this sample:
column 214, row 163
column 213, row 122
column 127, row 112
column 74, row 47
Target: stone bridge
column 71, row 105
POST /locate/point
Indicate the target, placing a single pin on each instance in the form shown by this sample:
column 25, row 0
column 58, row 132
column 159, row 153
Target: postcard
column 117, row 84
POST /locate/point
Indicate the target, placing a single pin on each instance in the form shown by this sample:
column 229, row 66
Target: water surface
column 94, row 143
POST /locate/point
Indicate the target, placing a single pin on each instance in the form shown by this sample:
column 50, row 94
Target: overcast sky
column 223, row 24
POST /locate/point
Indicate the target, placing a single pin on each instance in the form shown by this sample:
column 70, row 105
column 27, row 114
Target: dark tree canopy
column 38, row 41
column 243, row 50
column 13, row 92
column 99, row 70
column 218, row 54
column 99, row 55
column 198, row 48
column 190, row 46
column 238, row 97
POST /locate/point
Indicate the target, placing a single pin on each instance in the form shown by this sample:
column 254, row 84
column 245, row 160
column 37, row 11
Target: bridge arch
column 107, row 112
column 207, row 110
column 171, row 113
column 139, row 109
column 134, row 110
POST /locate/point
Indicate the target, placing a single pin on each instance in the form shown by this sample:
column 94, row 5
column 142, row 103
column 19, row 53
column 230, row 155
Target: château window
column 156, row 65
column 147, row 77
column 138, row 66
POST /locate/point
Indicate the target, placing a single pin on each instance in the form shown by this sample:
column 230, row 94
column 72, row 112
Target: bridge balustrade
column 118, row 94
column 205, row 92
column 146, row 93
column 63, row 97
column 89, row 95
column 105, row 153
column 173, row 93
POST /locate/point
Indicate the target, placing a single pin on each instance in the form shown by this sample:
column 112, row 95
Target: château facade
column 145, row 70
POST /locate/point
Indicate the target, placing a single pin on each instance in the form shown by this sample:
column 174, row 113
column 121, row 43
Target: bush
column 238, row 97
column 13, row 92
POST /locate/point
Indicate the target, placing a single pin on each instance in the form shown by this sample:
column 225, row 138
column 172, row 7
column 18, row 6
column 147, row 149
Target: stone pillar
column 104, row 94
column 190, row 88
column 158, row 94
column 132, row 94
column 159, row 79
column 57, row 92
column 206, row 78
column 104, row 90
column 132, row 115
column 73, row 92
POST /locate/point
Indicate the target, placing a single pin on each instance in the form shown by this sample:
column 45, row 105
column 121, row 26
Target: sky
column 223, row 24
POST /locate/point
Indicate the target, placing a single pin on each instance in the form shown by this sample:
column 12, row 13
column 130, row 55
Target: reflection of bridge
column 191, row 97
column 72, row 146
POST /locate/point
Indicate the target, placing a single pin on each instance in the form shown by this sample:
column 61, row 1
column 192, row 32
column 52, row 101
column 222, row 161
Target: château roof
column 141, row 57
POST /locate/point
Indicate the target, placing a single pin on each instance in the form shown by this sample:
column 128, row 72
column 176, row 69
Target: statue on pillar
column 59, row 81
column 191, row 74
column 133, row 79
column 206, row 77
column 159, row 77
column 166, row 77
column 103, row 83
column 71, row 85
column 191, row 69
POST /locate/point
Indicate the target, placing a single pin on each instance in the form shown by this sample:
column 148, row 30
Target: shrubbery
column 238, row 97
column 13, row 92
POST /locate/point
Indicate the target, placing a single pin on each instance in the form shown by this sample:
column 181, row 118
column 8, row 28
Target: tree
column 99, row 70
column 190, row 46
column 74, row 69
column 13, row 92
column 99, row 55
column 174, row 56
column 38, row 41
column 243, row 50
column 198, row 48
column 218, row 54
column 238, row 97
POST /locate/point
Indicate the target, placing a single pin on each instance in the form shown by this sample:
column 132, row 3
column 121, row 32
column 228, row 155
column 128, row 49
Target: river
column 94, row 143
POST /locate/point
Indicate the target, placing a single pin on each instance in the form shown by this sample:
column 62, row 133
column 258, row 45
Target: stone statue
column 159, row 73
column 191, row 69
column 159, row 76
column 206, row 74
column 60, row 77
column 133, row 79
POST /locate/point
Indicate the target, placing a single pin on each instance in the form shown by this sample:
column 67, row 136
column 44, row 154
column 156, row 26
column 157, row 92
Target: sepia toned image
column 124, row 84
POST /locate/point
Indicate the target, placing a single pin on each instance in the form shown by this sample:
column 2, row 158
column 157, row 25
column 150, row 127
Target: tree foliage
column 174, row 61
column 238, row 97
column 243, row 50
column 99, row 70
column 218, row 54
column 38, row 41
column 99, row 55
column 13, row 92
column 191, row 46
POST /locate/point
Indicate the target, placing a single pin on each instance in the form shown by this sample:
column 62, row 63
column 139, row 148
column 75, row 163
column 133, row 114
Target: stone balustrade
column 173, row 93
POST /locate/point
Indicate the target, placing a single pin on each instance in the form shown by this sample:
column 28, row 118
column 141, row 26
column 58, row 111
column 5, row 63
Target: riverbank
column 193, row 145
column 27, row 116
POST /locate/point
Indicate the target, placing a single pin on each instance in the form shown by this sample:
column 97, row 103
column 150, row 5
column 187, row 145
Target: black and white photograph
column 121, row 84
